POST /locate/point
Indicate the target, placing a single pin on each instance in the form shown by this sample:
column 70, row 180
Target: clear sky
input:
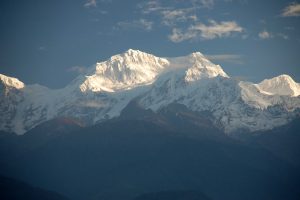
column 50, row 41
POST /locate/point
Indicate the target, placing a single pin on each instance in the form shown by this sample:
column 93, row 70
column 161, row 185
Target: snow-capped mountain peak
column 124, row 71
column 134, row 68
column 154, row 82
column 202, row 68
column 196, row 66
column 280, row 85
column 11, row 82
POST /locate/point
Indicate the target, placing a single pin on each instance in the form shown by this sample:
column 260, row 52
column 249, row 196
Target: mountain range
column 153, row 83
column 140, row 127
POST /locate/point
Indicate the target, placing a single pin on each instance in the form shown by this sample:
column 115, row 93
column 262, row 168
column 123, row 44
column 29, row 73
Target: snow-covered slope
column 280, row 85
column 10, row 82
column 123, row 72
column 10, row 98
column 154, row 83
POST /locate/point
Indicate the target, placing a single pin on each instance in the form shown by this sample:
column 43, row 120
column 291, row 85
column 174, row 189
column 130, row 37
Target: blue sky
column 50, row 41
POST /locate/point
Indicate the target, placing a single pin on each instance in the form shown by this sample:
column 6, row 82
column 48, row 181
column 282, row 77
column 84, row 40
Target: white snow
column 280, row 85
column 11, row 82
column 155, row 82
column 124, row 71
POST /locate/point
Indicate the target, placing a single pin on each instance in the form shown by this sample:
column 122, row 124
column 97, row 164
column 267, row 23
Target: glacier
column 154, row 82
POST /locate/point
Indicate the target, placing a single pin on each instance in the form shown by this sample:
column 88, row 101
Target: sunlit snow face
column 281, row 85
column 124, row 71
column 11, row 82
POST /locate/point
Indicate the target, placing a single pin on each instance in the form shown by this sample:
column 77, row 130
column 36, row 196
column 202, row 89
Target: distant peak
column 281, row 79
column 131, row 51
column 132, row 55
column 133, row 68
column 201, row 67
column 280, row 85
column 197, row 54
column 11, row 82
column 134, row 52
column 284, row 77
column 124, row 71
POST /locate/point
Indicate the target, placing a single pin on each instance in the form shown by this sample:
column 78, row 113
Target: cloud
column 42, row 48
column 90, row 3
column 103, row 12
column 206, row 32
column 264, row 35
column 135, row 24
column 245, row 36
column 172, row 17
column 289, row 28
column 283, row 36
column 242, row 78
column 237, row 1
column 150, row 6
column 204, row 3
column 230, row 58
column 178, row 35
column 214, row 29
column 291, row 10
column 77, row 69
column 93, row 104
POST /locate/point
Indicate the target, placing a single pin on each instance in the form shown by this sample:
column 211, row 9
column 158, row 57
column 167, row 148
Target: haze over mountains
column 145, row 155
column 154, row 83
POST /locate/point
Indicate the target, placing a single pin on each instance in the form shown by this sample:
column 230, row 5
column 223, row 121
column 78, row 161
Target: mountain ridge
column 109, row 86
column 119, row 159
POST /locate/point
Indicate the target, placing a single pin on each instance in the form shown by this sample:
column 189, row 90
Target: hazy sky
column 50, row 41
